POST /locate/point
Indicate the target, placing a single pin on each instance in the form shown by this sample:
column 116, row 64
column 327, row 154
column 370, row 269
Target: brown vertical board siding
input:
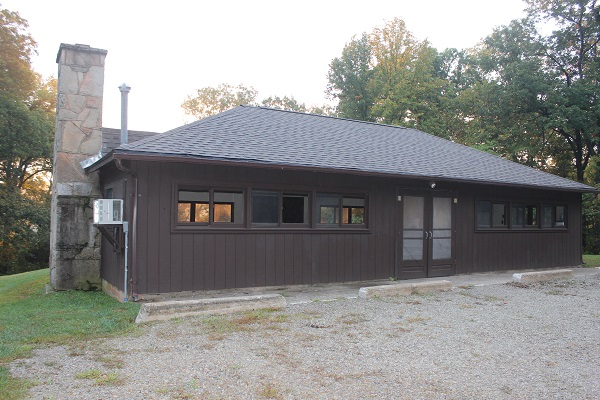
column 220, row 265
column 187, row 260
column 176, row 264
column 261, row 261
column 315, row 258
column 140, row 275
column 371, row 259
column 331, row 251
column 288, row 259
column 273, row 269
column 250, row 259
column 340, row 258
column 364, row 257
column 298, row 258
column 230, row 261
column 279, row 266
column 198, row 262
column 306, row 260
column 152, row 234
column 172, row 259
column 323, row 258
column 164, row 217
column 241, row 262
column 210, row 244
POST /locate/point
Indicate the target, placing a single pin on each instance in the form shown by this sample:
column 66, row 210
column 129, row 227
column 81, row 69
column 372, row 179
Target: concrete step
column 404, row 289
column 542, row 276
column 165, row 310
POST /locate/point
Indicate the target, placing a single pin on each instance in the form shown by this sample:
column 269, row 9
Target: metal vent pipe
column 124, row 93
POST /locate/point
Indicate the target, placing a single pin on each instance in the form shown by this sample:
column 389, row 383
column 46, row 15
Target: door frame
column 427, row 267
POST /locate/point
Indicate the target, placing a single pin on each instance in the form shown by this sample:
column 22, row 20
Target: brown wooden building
column 260, row 197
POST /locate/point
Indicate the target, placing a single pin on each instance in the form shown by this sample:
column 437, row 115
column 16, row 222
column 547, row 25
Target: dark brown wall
column 169, row 260
column 484, row 251
column 112, row 263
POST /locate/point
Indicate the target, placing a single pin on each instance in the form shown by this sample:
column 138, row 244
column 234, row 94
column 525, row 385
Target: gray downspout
column 124, row 140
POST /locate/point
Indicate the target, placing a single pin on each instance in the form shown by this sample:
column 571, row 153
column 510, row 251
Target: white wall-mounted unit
column 108, row 212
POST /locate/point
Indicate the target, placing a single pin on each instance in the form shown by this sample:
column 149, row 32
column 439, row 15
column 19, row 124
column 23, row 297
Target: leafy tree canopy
column 213, row 100
column 27, row 109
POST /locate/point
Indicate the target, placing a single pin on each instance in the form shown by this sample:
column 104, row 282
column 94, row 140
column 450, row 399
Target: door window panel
column 413, row 223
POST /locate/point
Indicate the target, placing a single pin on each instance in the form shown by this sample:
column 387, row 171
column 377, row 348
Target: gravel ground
column 491, row 342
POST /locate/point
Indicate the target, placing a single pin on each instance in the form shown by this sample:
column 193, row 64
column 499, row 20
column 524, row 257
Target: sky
column 165, row 51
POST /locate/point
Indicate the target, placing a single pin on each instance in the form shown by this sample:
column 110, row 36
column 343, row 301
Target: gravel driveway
column 502, row 341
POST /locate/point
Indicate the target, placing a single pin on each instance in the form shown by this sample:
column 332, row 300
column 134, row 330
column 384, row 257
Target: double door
column 425, row 237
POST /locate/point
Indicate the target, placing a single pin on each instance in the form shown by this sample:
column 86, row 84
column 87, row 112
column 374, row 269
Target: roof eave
column 165, row 157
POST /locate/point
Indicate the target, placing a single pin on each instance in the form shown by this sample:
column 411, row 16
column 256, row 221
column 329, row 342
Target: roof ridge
column 324, row 116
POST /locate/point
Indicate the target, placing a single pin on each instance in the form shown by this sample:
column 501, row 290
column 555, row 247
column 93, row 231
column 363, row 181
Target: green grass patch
column 29, row 318
column 101, row 378
column 591, row 260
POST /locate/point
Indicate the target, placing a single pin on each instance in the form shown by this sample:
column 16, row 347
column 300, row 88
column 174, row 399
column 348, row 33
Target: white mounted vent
column 108, row 212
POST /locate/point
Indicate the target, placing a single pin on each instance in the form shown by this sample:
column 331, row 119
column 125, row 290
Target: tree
column 16, row 49
column 26, row 143
column 210, row 100
column 349, row 77
column 27, row 108
column 213, row 100
column 545, row 88
column 284, row 103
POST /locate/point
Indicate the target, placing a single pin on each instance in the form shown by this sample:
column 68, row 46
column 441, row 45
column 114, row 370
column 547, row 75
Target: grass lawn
column 30, row 318
column 591, row 260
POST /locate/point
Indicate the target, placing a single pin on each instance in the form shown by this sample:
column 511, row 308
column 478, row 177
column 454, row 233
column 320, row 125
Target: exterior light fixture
column 432, row 184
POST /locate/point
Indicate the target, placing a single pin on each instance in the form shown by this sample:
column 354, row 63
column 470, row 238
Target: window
column 524, row 215
column 353, row 211
column 491, row 214
column 496, row 214
column 200, row 208
column 333, row 208
column 208, row 206
column 328, row 208
column 266, row 207
column 553, row 216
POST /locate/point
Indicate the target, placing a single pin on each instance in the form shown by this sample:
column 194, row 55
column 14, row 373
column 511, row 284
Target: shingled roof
column 264, row 136
column 111, row 138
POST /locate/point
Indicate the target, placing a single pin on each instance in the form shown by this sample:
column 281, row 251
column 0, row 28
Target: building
column 260, row 197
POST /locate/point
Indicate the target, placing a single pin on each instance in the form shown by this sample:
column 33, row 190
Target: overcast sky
column 166, row 50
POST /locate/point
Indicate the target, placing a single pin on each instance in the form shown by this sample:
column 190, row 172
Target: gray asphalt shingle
column 275, row 137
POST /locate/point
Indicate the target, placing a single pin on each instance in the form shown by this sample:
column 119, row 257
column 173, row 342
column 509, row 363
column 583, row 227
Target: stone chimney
column 74, row 241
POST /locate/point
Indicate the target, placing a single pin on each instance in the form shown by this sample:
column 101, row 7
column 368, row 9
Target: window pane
column 560, row 216
column 353, row 211
column 228, row 207
column 183, row 212
column 517, row 217
column 328, row 208
column 201, row 212
column 547, row 218
column 413, row 212
column 294, row 209
column 484, row 214
column 442, row 213
column 223, row 212
column 499, row 214
column 412, row 249
column 531, row 215
column 265, row 207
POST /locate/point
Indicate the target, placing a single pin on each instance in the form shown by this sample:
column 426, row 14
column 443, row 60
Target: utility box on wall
column 108, row 212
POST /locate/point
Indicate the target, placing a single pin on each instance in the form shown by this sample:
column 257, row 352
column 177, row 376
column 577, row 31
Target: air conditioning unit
column 108, row 212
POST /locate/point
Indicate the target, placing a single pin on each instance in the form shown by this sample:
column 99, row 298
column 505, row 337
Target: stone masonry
column 74, row 241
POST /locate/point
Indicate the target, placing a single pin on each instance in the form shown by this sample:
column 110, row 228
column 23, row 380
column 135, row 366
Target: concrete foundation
column 74, row 242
